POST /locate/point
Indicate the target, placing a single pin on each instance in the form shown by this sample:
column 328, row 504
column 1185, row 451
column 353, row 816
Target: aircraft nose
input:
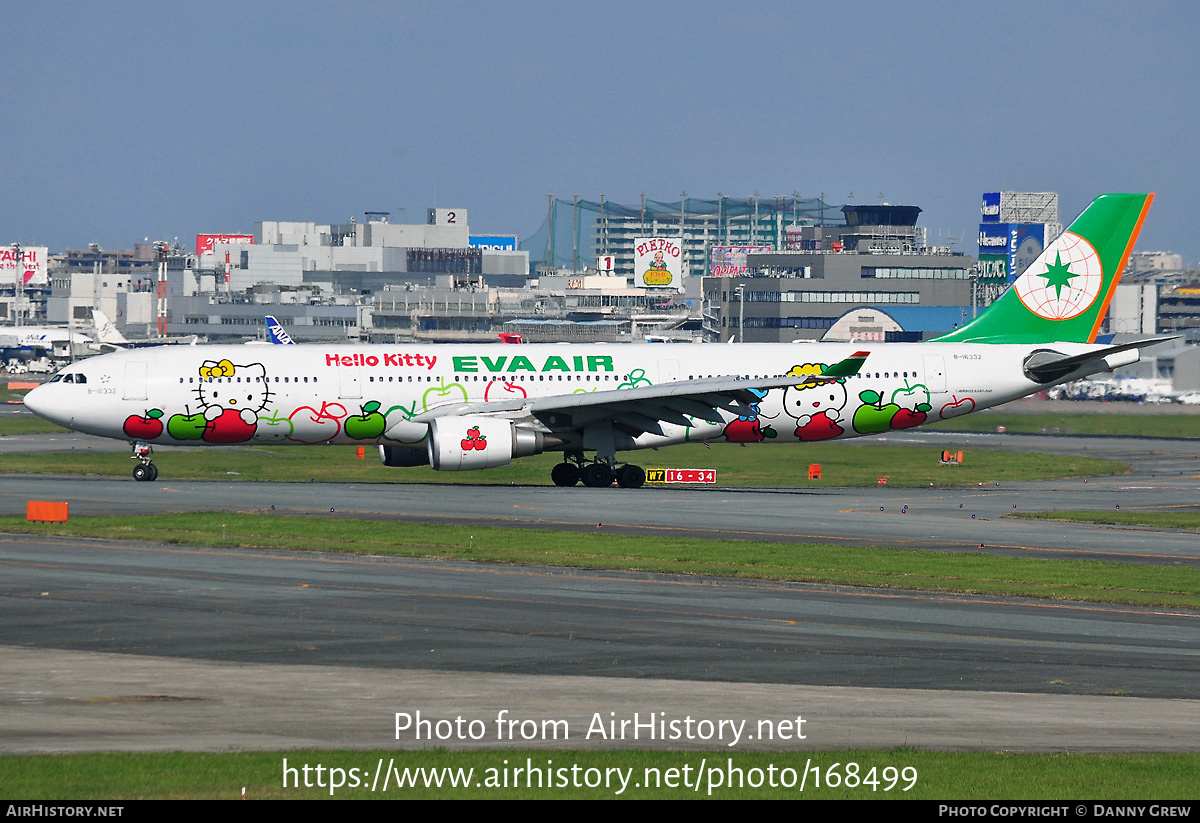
column 41, row 401
column 35, row 401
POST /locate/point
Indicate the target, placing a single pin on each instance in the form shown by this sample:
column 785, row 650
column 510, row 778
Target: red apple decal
column 474, row 440
column 145, row 427
column 905, row 419
column 511, row 390
column 228, row 428
column 744, row 430
column 820, row 427
column 957, row 408
column 310, row 425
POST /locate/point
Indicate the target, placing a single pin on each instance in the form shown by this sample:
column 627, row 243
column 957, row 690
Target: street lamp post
column 741, row 293
column 19, row 283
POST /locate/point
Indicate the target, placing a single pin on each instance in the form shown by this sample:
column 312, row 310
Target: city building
column 1014, row 228
column 877, row 259
column 577, row 232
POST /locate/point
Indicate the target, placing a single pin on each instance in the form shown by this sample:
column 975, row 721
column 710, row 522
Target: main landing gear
column 598, row 474
column 145, row 469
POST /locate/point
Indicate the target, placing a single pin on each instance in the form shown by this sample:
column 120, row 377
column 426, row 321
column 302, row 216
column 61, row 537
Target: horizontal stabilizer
column 1048, row 366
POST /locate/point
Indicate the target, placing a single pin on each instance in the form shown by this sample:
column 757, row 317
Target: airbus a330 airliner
column 459, row 407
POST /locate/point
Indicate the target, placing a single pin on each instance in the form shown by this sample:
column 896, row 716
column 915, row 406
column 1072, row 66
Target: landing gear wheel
column 597, row 476
column 145, row 469
column 630, row 476
column 565, row 474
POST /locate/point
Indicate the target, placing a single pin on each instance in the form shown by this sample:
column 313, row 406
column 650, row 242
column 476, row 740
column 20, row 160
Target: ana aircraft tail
column 1064, row 294
column 276, row 331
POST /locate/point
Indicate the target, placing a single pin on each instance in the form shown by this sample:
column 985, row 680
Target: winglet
column 846, row 367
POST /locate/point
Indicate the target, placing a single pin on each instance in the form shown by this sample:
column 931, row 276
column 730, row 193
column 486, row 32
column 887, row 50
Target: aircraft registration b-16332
column 458, row 407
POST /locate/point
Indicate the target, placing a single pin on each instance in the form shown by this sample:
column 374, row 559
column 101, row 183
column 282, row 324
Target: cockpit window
column 56, row 378
column 80, row 378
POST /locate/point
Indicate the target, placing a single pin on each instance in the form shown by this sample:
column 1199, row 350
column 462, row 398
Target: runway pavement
column 939, row 519
column 182, row 644
column 109, row 646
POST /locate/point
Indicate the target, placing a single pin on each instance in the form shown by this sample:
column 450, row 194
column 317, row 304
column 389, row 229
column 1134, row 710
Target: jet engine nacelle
column 401, row 457
column 477, row 442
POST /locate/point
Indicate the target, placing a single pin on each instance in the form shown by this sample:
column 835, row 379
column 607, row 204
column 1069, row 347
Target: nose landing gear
column 145, row 469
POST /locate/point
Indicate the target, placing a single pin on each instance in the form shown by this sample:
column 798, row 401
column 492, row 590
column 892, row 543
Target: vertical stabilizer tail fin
column 1065, row 292
column 106, row 331
column 276, row 331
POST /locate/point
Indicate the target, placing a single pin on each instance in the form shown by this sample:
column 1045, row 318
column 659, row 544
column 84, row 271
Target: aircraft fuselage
column 199, row 395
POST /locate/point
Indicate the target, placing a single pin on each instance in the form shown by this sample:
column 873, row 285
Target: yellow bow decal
column 222, row 369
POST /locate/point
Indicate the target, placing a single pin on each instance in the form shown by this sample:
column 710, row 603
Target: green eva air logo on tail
column 1064, row 294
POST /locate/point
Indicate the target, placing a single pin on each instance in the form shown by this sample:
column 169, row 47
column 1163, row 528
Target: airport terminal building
column 877, row 259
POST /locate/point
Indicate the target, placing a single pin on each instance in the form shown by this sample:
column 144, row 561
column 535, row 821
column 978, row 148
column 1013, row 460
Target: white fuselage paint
column 314, row 393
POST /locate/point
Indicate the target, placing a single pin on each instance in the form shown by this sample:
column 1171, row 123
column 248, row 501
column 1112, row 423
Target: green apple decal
column 912, row 397
column 275, row 427
column 395, row 430
column 186, row 426
column 914, row 403
column 873, row 416
column 407, row 412
column 441, row 394
column 366, row 426
column 702, row 430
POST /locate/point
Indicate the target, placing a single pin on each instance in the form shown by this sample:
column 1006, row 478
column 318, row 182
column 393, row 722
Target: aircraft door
column 135, row 380
column 668, row 371
column 348, row 383
column 935, row 372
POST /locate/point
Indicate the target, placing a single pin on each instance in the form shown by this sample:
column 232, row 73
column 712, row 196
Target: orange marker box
column 45, row 511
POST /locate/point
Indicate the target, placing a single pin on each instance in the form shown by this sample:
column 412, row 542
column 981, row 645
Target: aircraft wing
column 642, row 409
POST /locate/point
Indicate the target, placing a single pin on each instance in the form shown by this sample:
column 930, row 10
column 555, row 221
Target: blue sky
column 132, row 120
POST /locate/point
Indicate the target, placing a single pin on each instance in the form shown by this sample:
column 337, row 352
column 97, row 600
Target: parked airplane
column 110, row 339
column 460, row 407
column 56, row 340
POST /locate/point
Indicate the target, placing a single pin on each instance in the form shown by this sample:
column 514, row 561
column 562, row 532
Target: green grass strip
column 1122, row 425
column 1129, row 583
column 11, row 424
column 938, row 775
column 753, row 466
column 1188, row 518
